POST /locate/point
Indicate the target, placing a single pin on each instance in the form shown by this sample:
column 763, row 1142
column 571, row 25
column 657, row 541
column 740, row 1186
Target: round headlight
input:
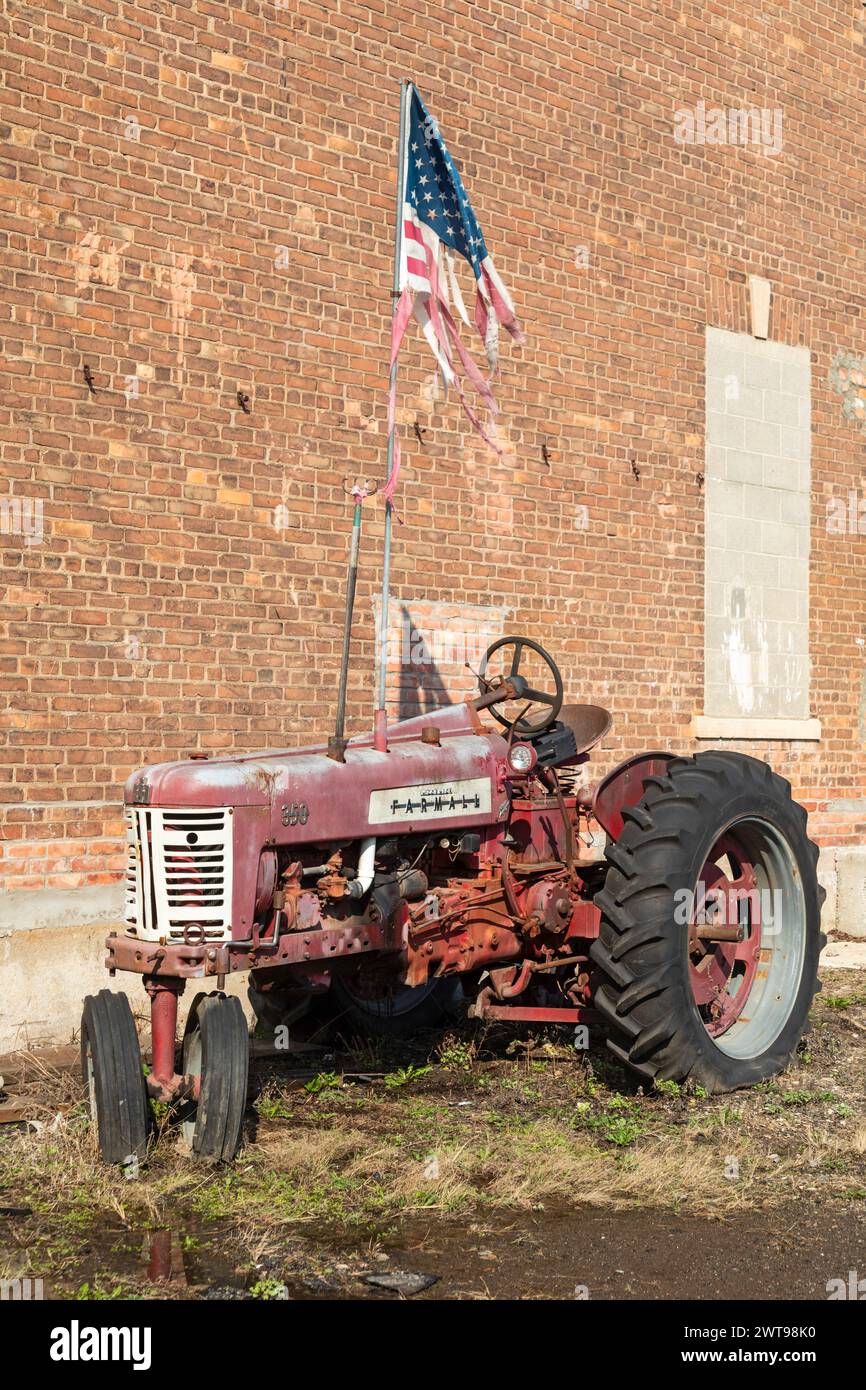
column 522, row 757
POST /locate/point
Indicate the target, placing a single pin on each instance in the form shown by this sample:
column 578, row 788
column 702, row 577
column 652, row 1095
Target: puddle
column 577, row 1253
column 117, row 1262
column 560, row 1253
column 187, row 1259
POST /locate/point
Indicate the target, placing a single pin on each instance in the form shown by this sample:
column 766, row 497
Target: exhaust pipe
column 366, row 868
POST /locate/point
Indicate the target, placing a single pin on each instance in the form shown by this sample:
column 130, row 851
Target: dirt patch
column 498, row 1164
column 584, row 1253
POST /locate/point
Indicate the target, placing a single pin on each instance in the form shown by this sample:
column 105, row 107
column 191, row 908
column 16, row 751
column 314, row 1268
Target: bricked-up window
column 433, row 651
column 756, row 644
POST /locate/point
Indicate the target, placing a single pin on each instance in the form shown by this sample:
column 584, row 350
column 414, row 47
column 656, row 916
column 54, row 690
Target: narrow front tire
column 216, row 1048
column 113, row 1077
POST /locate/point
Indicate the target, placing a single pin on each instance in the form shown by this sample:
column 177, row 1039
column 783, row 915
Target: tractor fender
column 624, row 787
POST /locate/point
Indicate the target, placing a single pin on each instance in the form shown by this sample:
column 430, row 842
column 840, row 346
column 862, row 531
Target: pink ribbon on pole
column 400, row 319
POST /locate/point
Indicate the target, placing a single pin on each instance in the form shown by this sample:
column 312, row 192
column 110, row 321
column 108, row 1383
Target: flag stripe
column 438, row 219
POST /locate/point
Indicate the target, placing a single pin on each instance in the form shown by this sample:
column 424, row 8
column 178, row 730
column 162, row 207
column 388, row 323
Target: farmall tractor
column 447, row 859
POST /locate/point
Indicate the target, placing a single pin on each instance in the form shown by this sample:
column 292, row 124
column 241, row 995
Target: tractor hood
column 413, row 784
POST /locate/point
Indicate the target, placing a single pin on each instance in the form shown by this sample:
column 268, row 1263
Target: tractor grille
column 179, row 872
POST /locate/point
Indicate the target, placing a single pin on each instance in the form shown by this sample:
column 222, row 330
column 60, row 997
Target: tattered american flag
column 439, row 224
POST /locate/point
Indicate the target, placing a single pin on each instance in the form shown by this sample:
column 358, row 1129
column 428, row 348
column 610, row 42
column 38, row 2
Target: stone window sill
column 736, row 727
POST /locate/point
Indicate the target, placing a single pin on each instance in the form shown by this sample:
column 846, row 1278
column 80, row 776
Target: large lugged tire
column 716, row 843
column 113, row 1077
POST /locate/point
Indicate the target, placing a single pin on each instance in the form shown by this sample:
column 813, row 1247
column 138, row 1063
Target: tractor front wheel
column 710, row 931
column 113, row 1077
column 216, row 1048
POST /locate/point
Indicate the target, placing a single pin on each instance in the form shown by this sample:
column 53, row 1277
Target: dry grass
column 513, row 1170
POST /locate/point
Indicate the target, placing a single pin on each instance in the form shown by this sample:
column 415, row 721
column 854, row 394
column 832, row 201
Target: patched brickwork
column 197, row 200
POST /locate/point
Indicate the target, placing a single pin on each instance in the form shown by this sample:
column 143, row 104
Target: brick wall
column 198, row 200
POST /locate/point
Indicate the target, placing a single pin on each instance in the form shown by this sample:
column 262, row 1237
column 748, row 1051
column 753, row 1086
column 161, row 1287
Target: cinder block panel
column 757, row 503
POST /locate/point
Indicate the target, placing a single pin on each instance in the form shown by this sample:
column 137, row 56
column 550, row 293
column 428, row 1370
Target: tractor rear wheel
column 216, row 1048
column 113, row 1077
column 710, row 930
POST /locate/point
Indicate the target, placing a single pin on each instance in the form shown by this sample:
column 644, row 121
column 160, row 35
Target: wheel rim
column 744, row 989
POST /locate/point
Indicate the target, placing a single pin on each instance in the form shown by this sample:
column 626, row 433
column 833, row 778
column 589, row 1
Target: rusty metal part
column 624, row 786
column 722, row 947
column 412, row 884
column 548, row 906
column 522, row 1013
column 175, row 962
column 709, row 931
column 521, row 868
column 556, row 962
column 549, row 778
column 333, row 885
column 163, row 1082
column 148, row 958
column 464, row 951
column 509, row 981
column 461, row 902
column 494, row 694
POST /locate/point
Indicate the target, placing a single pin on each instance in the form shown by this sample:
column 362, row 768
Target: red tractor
column 449, row 858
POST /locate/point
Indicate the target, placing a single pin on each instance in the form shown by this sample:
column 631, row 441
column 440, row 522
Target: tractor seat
column 588, row 723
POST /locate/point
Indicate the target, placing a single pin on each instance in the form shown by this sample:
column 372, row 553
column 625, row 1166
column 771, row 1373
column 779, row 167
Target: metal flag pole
column 380, row 726
column 337, row 742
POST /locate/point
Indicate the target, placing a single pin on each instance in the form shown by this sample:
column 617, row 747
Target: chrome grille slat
column 171, row 884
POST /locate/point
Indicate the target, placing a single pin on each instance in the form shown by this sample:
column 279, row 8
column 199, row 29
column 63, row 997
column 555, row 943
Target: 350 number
column 298, row 813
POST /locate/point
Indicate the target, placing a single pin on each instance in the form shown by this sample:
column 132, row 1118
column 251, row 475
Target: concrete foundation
column 46, row 972
column 850, row 918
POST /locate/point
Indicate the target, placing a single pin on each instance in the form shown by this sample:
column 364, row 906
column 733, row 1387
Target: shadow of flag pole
column 380, row 725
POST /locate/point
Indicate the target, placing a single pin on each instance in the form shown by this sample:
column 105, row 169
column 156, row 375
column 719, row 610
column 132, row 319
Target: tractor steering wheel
column 513, row 686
